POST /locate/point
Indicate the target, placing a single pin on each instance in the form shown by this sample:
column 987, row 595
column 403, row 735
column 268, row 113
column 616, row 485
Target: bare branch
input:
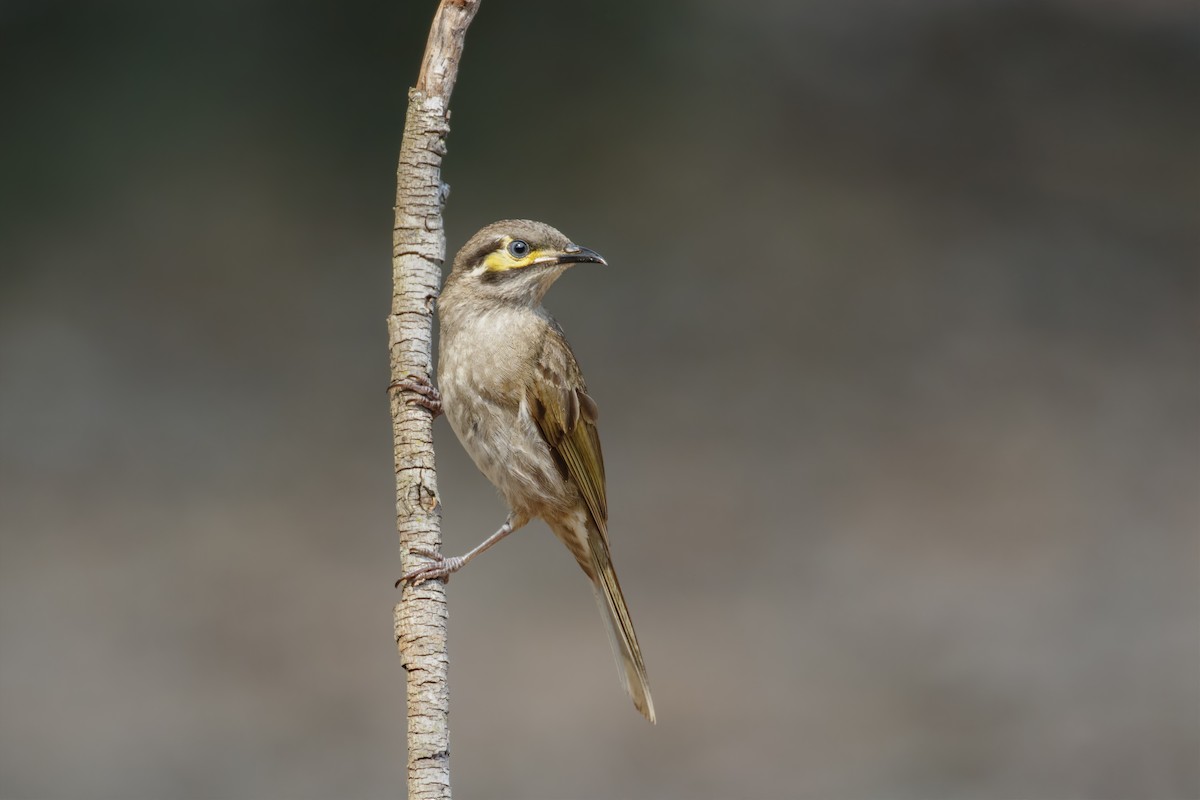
column 418, row 250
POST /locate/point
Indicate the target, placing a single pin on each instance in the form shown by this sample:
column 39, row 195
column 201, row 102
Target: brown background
column 897, row 360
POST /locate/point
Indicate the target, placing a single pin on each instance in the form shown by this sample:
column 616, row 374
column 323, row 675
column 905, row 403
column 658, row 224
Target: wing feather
column 566, row 417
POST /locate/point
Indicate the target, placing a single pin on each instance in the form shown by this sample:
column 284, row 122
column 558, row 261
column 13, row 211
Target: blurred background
column 897, row 359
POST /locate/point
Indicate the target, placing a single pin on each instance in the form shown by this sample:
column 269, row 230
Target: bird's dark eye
column 518, row 248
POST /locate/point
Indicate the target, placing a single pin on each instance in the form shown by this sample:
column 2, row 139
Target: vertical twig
column 418, row 249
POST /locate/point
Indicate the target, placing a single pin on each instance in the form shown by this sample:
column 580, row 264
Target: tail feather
column 618, row 624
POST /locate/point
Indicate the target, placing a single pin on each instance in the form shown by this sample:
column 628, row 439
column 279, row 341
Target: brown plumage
column 515, row 396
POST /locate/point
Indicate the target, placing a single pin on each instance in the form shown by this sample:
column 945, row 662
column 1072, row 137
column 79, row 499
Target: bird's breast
column 483, row 372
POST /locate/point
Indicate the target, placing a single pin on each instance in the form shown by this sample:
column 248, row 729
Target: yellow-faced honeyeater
column 515, row 396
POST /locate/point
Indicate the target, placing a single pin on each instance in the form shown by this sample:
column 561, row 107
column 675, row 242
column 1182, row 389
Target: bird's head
column 514, row 261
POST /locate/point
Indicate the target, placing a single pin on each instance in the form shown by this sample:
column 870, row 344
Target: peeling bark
column 418, row 250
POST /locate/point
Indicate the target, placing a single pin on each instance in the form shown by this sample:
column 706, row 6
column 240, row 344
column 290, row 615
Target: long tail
column 620, row 627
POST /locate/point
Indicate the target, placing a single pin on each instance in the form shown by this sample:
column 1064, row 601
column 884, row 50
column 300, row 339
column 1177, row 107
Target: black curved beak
column 574, row 254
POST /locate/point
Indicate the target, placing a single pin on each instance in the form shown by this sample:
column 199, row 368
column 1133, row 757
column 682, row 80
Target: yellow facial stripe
column 500, row 260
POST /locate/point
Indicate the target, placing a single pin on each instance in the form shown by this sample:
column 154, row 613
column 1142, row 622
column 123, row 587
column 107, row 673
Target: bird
column 513, row 391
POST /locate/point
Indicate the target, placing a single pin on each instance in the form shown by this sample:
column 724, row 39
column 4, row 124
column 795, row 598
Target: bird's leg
column 443, row 567
column 426, row 394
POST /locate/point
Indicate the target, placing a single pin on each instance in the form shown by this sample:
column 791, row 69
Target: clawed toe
column 441, row 568
column 425, row 551
column 423, row 393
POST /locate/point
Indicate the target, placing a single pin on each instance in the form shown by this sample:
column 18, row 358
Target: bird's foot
column 440, row 568
column 423, row 393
